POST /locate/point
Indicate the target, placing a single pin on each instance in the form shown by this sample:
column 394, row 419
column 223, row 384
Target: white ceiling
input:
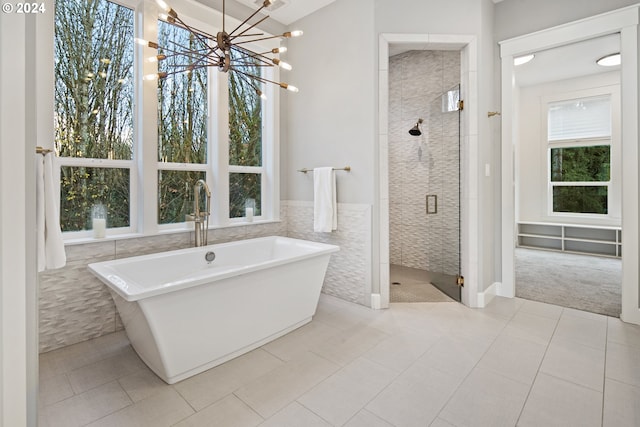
column 561, row 63
column 573, row 60
column 288, row 11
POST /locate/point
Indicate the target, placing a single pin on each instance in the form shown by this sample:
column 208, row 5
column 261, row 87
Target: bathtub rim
column 103, row 270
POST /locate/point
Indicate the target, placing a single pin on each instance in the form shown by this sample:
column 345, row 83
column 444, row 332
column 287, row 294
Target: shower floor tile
column 413, row 285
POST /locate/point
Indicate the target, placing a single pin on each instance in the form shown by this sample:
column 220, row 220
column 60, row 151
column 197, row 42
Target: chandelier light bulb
column 282, row 64
column 143, row 42
column 153, row 76
column 261, row 94
column 281, row 49
column 292, row 88
column 164, row 6
column 296, row 33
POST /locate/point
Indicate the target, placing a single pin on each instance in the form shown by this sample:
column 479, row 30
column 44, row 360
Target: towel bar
column 346, row 168
column 43, row 151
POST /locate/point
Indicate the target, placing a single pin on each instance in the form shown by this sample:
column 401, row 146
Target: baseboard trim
column 490, row 293
column 376, row 302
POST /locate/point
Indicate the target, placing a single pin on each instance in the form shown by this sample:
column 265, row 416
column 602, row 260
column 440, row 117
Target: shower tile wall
column 74, row 306
column 422, row 165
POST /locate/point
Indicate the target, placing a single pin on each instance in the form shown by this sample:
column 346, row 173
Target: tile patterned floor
column 413, row 285
column 516, row 362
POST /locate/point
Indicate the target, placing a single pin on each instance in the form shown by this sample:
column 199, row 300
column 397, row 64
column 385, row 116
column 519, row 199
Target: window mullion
column 146, row 120
column 220, row 148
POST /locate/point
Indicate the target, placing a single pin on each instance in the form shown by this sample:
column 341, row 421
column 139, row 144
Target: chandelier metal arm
column 245, row 21
column 232, row 37
column 260, row 78
column 216, row 50
column 246, row 80
column 250, row 54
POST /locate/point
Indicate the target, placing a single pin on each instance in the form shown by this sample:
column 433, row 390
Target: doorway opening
column 424, row 176
column 465, row 47
column 580, row 235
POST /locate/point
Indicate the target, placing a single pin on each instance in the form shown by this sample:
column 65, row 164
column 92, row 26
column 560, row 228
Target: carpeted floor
column 582, row 282
column 413, row 286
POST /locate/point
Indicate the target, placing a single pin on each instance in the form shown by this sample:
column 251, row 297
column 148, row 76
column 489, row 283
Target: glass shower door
column 442, row 204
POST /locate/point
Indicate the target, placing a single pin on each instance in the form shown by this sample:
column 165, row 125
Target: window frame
column 613, row 141
column 266, row 170
column 577, row 143
column 145, row 166
column 89, row 162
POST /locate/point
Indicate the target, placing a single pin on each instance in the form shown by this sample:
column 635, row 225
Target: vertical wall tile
column 347, row 276
column 423, row 165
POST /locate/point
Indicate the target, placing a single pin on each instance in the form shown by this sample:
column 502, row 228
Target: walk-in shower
column 424, row 176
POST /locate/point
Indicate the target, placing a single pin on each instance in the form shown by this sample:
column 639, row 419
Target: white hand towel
column 50, row 247
column 325, row 208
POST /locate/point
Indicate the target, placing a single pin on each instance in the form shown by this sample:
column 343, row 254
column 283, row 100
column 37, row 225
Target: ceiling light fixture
column 610, row 60
column 216, row 51
column 523, row 59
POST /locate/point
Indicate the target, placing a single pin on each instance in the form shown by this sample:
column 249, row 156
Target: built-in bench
column 584, row 239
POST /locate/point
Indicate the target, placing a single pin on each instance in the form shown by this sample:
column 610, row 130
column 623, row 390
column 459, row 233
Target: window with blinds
column 579, row 159
column 580, row 119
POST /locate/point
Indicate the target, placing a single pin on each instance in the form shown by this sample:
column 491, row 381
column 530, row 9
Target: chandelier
column 225, row 50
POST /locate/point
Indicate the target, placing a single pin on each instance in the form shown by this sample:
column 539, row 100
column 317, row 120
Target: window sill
column 181, row 228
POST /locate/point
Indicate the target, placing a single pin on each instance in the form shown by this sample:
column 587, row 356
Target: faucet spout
column 201, row 217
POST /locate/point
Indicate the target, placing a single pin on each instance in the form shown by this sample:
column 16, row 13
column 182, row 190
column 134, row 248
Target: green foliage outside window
column 182, row 125
column 580, row 199
column 245, row 138
column 175, row 198
column 93, row 107
column 182, row 101
column 581, row 164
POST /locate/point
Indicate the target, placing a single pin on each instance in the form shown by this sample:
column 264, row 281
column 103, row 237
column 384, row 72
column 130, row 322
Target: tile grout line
column 604, row 371
column 475, row 365
column 539, row 366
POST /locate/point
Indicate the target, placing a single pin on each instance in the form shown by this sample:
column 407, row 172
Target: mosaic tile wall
column 423, row 165
column 349, row 273
column 74, row 306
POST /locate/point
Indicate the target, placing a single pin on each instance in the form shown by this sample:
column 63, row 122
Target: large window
column 182, row 127
column 94, row 110
column 579, row 141
column 137, row 146
column 245, row 142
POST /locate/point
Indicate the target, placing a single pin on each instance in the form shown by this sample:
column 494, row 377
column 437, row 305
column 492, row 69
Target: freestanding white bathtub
column 184, row 315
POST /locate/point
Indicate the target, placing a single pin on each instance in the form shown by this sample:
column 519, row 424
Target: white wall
column 435, row 17
column 531, row 176
column 330, row 122
column 517, row 17
column 18, row 359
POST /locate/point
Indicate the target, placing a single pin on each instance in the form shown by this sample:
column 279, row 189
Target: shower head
column 415, row 131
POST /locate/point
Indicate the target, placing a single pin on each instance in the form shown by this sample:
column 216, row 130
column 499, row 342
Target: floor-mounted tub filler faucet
column 201, row 217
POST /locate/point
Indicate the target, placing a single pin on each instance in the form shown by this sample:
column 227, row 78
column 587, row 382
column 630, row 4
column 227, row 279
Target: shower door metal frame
column 451, row 284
